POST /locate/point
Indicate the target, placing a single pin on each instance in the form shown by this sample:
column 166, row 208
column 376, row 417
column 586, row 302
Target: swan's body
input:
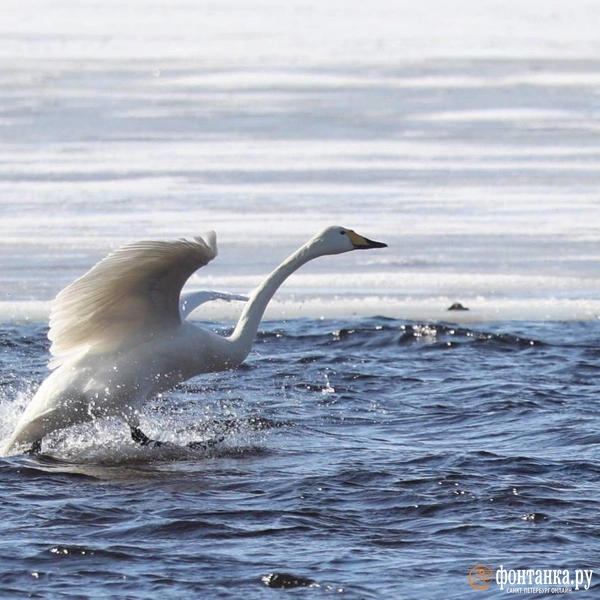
column 118, row 336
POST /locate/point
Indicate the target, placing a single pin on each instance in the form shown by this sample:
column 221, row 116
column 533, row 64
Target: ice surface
column 262, row 32
column 463, row 135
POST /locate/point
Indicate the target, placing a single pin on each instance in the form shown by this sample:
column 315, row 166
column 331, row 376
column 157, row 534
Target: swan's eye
column 342, row 232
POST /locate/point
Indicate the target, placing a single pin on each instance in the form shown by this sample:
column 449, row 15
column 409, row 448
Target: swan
column 118, row 337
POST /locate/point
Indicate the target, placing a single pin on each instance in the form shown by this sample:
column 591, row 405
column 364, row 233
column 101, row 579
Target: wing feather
column 131, row 294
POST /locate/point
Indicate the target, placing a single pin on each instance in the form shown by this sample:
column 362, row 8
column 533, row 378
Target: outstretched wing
column 190, row 301
column 133, row 293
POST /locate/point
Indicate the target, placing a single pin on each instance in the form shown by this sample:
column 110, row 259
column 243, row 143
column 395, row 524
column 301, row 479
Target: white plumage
column 118, row 336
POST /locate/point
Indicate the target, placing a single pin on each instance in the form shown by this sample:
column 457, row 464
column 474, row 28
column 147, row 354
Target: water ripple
column 384, row 447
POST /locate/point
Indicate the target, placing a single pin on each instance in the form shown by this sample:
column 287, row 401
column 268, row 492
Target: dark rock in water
column 535, row 517
column 287, row 580
column 457, row 306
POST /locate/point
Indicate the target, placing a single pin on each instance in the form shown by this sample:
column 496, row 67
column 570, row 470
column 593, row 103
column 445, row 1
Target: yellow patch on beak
column 357, row 240
column 362, row 243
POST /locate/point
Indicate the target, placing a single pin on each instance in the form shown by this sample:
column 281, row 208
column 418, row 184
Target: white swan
column 118, row 337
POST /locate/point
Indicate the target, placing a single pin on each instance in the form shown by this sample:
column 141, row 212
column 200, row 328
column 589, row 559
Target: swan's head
column 335, row 240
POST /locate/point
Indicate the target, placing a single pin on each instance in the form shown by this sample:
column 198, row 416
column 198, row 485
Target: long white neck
column 245, row 331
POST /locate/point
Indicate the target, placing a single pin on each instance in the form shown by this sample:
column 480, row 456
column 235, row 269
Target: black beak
column 371, row 244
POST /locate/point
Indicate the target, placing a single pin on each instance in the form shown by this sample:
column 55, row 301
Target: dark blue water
column 357, row 459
